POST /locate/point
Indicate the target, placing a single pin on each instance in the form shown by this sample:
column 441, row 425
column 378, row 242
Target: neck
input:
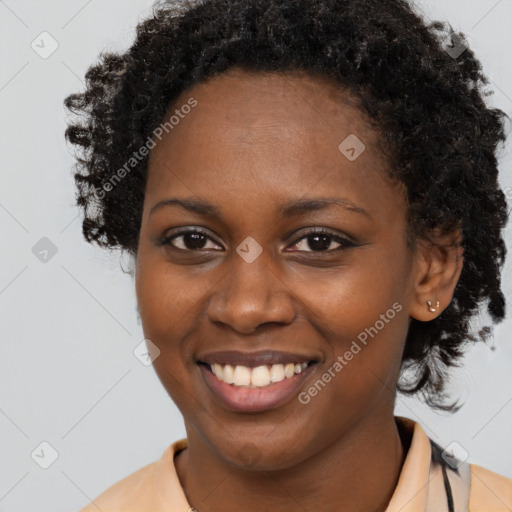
column 358, row 472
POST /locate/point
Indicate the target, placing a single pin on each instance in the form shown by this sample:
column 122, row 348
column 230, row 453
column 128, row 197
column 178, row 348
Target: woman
column 309, row 191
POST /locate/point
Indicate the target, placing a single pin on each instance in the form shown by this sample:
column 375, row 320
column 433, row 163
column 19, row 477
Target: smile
column 260, row 376
column 254, row 382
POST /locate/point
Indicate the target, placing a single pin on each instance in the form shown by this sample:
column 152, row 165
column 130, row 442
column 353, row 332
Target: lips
column 246, row 389
column 253, row 359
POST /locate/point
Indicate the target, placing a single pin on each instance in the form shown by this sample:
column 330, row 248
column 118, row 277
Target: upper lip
column 253, row 359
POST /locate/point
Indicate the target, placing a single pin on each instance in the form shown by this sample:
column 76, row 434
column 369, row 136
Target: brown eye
column 188, row 240
column 321, row 241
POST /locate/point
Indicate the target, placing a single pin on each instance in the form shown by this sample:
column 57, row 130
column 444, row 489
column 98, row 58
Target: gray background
column 69, row 325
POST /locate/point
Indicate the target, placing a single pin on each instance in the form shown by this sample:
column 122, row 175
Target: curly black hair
column 426, row 102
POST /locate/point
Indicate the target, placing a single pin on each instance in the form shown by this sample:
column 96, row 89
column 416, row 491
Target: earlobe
column 438, row 268
column 432, row 308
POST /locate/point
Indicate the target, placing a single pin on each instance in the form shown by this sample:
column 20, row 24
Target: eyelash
column 345, row 243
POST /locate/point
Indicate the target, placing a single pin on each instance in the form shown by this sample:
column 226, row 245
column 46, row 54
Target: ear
column 438, row 267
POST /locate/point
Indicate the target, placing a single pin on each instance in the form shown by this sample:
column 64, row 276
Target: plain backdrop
column 69, row 378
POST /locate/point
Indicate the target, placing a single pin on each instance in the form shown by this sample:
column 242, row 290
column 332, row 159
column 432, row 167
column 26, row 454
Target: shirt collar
column 412, row 488
column 410, row 494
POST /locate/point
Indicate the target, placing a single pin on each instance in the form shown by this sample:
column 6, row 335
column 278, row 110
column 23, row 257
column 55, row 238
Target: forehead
column 251, row 105
column 274, row 135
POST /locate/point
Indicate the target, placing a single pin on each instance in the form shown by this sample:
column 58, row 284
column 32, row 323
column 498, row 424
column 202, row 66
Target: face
column 285, row 249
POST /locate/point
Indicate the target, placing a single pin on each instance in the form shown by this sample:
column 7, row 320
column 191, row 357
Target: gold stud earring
column 432, row 308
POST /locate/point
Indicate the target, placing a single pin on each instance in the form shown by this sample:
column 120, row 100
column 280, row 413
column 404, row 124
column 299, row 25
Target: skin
column 254, row 142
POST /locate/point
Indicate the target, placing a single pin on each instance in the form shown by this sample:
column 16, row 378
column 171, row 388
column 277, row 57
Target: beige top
column 427, row 483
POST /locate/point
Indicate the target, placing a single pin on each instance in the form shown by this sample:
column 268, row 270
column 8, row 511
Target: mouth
column 254, row 382
column 257, row 377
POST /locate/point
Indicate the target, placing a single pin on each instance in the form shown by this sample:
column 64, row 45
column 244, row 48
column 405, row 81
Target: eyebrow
column 290, row 209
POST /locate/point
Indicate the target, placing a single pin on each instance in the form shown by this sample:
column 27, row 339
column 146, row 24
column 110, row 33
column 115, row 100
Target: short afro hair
column 427, row 104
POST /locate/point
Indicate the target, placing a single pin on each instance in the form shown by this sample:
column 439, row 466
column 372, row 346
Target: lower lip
column 254, row 399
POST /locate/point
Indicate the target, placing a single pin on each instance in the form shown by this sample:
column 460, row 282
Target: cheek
column 361, row 312
column 165, row 299
column 364, row 336
column 350, row 298
column 171, row 303
column 158, row 300
column 163, row 309
column 154, row 297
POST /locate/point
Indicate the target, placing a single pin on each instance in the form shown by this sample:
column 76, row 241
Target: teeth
column 261, row 376
column 229, row 374
column 289, row 370
column 242, row 376
column 276, row 373
column 218, row 371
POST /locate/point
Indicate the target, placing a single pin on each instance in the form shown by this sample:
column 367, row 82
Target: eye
column 319, row 240
column 191, row 240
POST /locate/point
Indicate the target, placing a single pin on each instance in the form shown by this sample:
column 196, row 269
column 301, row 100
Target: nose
column 250, row 295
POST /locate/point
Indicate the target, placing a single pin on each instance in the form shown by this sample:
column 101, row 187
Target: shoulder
column 132, row 493
column 154, row 487
column 490, row 492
